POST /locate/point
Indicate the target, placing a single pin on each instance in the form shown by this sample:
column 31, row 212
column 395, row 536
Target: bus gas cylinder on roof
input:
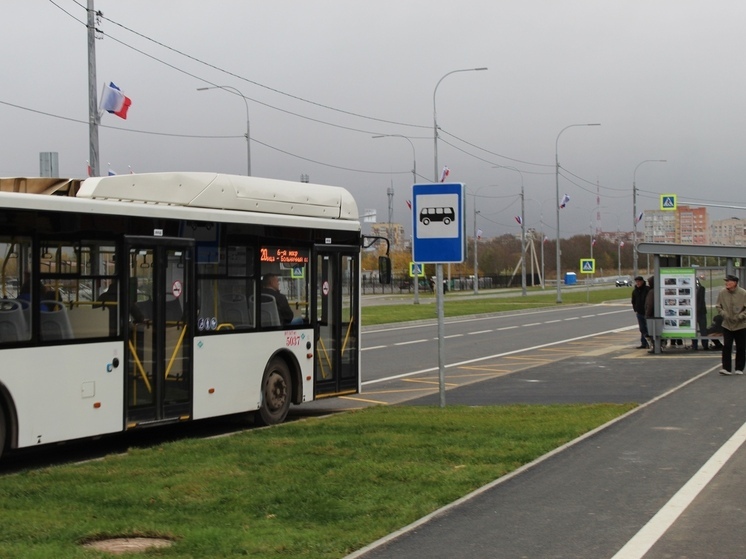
column 220, row 191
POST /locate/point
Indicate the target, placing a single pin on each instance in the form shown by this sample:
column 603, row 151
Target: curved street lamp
column 435, row 115
column 556, row 179
column 248, row 137
column 414, row 180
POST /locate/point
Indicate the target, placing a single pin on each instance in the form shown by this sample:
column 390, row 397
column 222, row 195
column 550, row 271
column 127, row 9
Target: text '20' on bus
column 138, row 300
column 445, row 215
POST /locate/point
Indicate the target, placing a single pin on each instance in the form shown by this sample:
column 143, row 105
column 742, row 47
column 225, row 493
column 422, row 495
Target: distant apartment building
column 394, row 232
column 729, row 232
column 684, row 225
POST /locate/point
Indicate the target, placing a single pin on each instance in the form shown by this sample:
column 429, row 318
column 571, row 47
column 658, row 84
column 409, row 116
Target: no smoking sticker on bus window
column 176, row 289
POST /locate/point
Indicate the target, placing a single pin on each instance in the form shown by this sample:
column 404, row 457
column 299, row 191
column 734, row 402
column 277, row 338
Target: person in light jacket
column 731, row 305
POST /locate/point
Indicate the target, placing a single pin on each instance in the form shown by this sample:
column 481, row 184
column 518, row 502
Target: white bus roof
column 257, row 201
column 226, row 192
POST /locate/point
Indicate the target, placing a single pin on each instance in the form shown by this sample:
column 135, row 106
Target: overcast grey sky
column 664, row 78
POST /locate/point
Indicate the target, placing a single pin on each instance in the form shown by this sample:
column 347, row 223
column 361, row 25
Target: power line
column 247, row 80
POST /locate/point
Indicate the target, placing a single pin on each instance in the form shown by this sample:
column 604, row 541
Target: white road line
column 588, row 316
column 480, row 332
column 641, row 543
column 411, row 342
column 373, row 347
column 552, row 321
column 532, row 324
column 429, row 324
column 452, row 336
column 573, row 318
column 507, row 328
column 514, row 352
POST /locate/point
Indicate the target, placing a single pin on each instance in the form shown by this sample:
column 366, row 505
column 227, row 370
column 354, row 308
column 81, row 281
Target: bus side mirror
column 384, row 270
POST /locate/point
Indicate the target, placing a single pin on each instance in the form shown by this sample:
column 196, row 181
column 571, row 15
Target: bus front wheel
column 276, row 393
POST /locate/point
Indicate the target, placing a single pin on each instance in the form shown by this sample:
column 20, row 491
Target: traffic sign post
column 438, row 227
column 668, row 202
column 438, row 223
column 587, row 266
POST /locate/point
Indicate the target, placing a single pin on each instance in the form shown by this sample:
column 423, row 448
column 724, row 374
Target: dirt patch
column 120, row 546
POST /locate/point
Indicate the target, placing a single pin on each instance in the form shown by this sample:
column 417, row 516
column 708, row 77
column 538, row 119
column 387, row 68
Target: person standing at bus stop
column 731, row 305
column 639, row 294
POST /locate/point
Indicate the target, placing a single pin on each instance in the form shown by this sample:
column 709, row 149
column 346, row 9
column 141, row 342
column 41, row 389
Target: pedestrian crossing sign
column 416, row 269
column 668, row 201
column 588, row 265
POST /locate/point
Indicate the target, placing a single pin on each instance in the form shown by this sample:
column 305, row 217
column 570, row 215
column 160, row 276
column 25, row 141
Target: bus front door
column 159, row 354
column 337, row 368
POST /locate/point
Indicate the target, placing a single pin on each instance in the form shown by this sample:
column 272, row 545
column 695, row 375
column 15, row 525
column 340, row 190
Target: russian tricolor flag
column 114, row 101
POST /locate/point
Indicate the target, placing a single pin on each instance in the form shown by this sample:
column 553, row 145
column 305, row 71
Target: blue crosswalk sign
column 668, row 201
column 588, row 265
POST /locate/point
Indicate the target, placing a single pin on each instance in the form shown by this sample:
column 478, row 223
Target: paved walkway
column 667, row 480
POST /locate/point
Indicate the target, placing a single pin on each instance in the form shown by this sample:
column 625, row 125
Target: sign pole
column 438, row 238
column 441, row 336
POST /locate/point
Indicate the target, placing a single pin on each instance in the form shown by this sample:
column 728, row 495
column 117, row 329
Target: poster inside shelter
column 678, row 293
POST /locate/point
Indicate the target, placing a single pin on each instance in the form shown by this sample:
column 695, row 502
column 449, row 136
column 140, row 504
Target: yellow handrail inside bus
column 328, row 360
column 176, row 351
column 139, row 366
column 347, row 335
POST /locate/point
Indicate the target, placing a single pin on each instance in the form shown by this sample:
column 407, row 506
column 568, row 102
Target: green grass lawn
column 455, row 305
column 319, row 488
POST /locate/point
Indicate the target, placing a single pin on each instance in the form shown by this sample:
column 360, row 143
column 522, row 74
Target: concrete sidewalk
column 589, row 499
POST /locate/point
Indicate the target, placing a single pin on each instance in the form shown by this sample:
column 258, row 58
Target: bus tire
column 276, row 393
column 3, row 430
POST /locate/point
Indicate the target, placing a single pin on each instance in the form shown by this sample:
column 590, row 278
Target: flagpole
column 93, row 117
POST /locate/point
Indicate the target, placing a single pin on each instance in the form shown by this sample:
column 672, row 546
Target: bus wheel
column 2, row 431
column 276, row 393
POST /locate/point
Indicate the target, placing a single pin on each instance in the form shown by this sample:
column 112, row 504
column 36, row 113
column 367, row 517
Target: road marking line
column 542, row 347
column 552, row 321
column 508, row 328
column 362, row 400
column 532, row 324
column 573, row 318
column 641, row 543
column 453, row 336
column 481, row 332
column 373, row 347
column 411, row 342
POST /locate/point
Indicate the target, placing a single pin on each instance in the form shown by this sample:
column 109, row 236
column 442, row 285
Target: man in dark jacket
column 639, row 294
column 701, row 311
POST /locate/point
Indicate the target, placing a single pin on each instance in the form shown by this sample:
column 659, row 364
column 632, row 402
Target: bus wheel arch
column 8, row 421
column 280, row 388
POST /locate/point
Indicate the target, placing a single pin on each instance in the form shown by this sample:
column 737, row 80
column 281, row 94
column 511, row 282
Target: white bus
column 138, row 300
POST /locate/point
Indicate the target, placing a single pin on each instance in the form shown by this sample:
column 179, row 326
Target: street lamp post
column 248, row 129
column 414, row 181
column 435, row 116
column 476, row 265
column 634, row 213
column 414, row 156
column 439, row 267
column 556, row 179
column 523, row 229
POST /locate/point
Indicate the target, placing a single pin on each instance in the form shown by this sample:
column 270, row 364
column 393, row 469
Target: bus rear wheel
column 276, row 393
column 2, row 430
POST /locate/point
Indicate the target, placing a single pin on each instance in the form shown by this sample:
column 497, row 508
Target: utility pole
column 93, row 118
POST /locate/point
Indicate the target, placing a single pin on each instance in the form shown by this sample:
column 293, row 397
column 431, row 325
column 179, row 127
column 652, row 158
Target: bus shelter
column 676, row 269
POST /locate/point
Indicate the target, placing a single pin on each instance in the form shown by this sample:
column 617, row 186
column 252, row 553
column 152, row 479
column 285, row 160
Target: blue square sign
column 438, row 223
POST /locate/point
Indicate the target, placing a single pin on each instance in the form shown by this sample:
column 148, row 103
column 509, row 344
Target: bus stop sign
column 438, row 223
